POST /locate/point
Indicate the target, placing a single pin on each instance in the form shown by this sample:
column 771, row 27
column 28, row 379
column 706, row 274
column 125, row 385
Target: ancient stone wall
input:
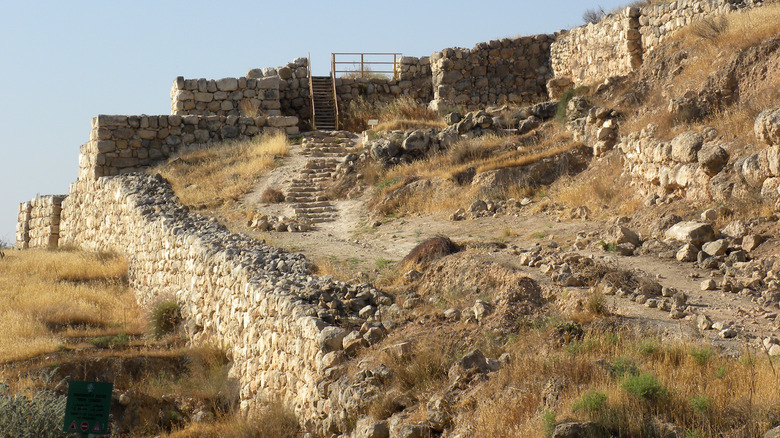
column 659, row 21
column 511, row 70
column 611, row 47
column 294, row 97
column 248, row 97
column 414, row 80
column 38, row 224
column 278, row 323
column 124, row 144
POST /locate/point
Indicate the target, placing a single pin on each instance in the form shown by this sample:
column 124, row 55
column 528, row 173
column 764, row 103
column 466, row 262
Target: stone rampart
column 124, row 144
column 278, row 322
column 511, row 70
column 591, row 53
column 414, row 80
column 38, row 223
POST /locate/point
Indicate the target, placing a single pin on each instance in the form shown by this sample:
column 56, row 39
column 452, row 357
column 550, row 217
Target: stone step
column 313, row 204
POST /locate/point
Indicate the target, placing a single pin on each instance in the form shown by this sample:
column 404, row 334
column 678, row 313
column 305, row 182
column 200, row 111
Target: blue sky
column 64, row 62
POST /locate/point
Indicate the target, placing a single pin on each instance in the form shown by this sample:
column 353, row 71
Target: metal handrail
column 363, row 63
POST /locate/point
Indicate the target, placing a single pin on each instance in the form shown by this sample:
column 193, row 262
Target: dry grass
column 219, row 174
column 481, row 154
column 49, row 295
column 274, row 420
column 699, row 389
column 402, row 113
column 604, row 191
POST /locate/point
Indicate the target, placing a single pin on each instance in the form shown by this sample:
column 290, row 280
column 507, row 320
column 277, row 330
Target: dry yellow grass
column 604, row 191
column 481, row 154
column 274, row 420
column 704, row 391
column 218, row 174
column 402, row 113
column 48, row 295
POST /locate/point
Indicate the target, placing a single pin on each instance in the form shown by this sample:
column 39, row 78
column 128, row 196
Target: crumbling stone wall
column 511, row 70
column 414, row 81
column 611, row 47
column 123, row 144
column 277, row 321
column 294, row 96
column 38, row 223
column 659, row 21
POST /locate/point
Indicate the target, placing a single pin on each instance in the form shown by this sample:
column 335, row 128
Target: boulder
column 475, row 360
column 368, row 428
column 767, row 126
column 751, row 242
column 620, row 234
column 686, row 146
column 736, row 229
column 579, row 429
column 712, row 159
column 696, row 233
column 687, row 253
column 384, row 149
column 417, row 141
column 715, row 248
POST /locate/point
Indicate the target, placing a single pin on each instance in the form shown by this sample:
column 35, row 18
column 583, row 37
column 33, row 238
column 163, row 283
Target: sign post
column 87, row 408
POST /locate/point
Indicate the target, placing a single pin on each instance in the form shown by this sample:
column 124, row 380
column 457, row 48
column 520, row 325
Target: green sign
column 88, row 406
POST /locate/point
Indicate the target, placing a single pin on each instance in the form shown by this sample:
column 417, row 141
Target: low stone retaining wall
column 260, row 303
column 38, row 223
column 124, row 144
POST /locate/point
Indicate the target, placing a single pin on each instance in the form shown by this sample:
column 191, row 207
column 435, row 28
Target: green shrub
column 39, row 416
column 701, row 403
column 590, row 402
column 165, row 318
column 647, row 347
column 549, row 423
column 119, row 340
column 563, row 102
column 622, row 367
column 645, row 386
column 701, row 355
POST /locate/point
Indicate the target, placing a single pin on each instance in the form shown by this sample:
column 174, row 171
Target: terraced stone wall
column 591, row 53
column 38, row 223
column 123, row 144
column 511, row 70
column 277, row 322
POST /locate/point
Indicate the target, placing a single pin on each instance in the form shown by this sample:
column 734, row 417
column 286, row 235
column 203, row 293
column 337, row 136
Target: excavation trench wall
column 256, row 301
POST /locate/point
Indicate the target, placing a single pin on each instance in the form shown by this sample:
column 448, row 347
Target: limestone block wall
column 414, row 80
column 591, row 53
column 248, row 97
column 683, row 167
column 122, row 144
column 511, row 70
column 38, row 223
column 255, row 300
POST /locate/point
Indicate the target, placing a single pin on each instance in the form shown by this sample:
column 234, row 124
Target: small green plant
column 622, row 367
column 692, row 433
column 701, row 355
column 607, row 246
column 701, row 403
column 720, row 373
column 539, row 234
column 645, row 386
column 647, row 347
column 549, row 423
column 591, row 402
column 382, row 263
column 165, row 318
column 387, row 183
column 119, row 340
column 40, row 415
column 597, row 304
column 563, row 102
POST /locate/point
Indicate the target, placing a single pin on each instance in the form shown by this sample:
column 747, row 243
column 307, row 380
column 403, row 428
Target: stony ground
column 359, row 246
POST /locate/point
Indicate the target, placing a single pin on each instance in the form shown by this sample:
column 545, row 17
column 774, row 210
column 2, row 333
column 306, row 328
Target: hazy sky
column 64, row 62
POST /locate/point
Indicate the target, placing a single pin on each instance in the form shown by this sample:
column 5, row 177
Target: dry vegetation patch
column 402, row 113
column 49, row 295
column 219, row 174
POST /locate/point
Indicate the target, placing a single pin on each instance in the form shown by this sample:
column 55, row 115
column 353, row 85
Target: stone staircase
column 325, row 150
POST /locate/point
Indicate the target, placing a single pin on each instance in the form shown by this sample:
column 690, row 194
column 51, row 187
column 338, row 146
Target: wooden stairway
column 324, row 103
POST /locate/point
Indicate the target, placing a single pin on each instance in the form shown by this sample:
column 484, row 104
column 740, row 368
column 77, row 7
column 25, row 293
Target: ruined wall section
column 511, row 70
column 591, row 53
column 123, row 144
column 414, row 81
column 38, row 223
column 278, row 322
